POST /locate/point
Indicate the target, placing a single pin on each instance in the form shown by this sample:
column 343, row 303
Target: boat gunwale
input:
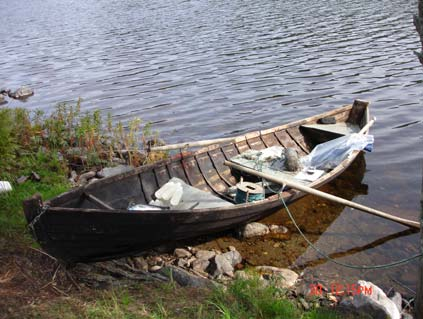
column 288, row 195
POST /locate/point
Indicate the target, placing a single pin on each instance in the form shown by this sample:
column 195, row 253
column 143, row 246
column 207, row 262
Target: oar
column 316, row 192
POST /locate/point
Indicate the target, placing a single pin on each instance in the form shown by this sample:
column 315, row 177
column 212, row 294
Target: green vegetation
column 243, row 299
column 51, row 145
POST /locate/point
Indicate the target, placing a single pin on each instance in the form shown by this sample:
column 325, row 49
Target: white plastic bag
column 330, row 154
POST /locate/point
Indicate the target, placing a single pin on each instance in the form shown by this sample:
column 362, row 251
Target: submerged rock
column 278, row 229
column 373, row 301
column 22, row 93
column 253, row 230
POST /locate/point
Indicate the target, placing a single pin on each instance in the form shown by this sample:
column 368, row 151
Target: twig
column 43, row 253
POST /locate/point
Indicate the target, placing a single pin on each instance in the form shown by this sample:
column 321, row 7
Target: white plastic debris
column 5, row 187
column 143, row 207
column 169, row 194
column 177, row 195
column 330, row 154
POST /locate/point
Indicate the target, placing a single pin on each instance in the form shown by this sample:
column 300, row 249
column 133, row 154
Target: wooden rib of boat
column 92, row 222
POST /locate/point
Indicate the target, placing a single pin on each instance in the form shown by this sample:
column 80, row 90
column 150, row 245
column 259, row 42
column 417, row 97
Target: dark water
column 203, row 69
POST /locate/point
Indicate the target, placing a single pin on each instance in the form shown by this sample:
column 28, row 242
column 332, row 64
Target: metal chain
column 44, row 208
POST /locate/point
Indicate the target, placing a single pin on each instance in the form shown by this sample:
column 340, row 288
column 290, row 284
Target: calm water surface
column 203, row 69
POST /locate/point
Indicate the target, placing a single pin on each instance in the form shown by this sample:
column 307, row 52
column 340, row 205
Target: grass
column 53, row 182
column 243, row 299
column 53, row 145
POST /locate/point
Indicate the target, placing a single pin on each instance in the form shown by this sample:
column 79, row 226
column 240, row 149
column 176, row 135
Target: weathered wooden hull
column 73, row 228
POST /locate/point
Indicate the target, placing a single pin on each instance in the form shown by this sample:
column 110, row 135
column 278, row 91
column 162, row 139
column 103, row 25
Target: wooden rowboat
column 93, row 223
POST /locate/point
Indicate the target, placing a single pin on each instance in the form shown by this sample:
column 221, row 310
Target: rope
column 365, row 267
column 258, row 165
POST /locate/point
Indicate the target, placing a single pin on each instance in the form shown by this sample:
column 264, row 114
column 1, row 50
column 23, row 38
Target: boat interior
column 202, row 174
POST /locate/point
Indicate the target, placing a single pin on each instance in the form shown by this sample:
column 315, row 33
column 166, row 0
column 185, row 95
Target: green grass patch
column 53, row 182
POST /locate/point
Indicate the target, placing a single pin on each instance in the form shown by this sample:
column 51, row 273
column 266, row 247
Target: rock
column 278, row 229
column 184, row 278
column 182, row 253
column 74, row 175
column 219, row 266
column 243, row 275
column 2, row 99
column 304, row 303
column 373, row 302
column 205, row 254
column 155, row 268
column 397, row 300
column 292, row 161
column 253, row 230
column 284, row 278
column 111, row 171
column 22, row 180
column 183, row 263
column 200, row 265
column 233, row 257
column 87, row 175
column 22, row 93
column 35, row 176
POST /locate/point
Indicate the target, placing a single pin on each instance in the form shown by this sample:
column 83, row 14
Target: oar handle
column 367, row 126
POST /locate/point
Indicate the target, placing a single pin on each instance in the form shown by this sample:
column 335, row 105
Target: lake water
column 203, row 69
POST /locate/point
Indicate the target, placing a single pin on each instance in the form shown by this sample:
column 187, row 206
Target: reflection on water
column 201, row 69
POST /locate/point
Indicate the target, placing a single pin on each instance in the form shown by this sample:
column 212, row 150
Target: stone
column 243, row 275
column 2, row 99
column 182, row 253
column 304, row 303
column 184, row 278
column 373, row 302
column 21, row 180
column 112, row 171
column 284, row 278
column 278, row 229
column 35, row 176
column 22, row 93
column 219, row 266
column 155, row 268
column 234, row 257
column 200, row 265
column 87, row 175
column 254, row 229
column 205, row 254
column 397, row 299
column 183, row 263
column 292, row 161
